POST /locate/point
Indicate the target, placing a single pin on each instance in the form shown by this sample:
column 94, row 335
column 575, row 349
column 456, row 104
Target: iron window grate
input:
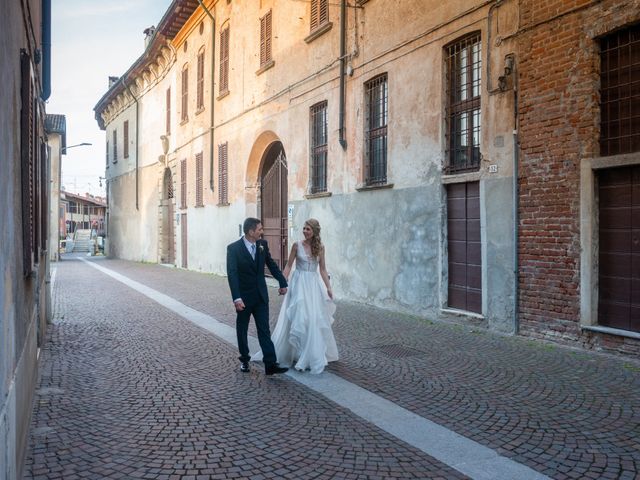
column 319, row 148
column 376, row 92
column 464, row 75
column 620, row 92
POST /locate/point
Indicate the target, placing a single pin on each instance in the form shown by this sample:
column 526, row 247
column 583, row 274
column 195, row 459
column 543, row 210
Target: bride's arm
column 292, row 258
column 324, row 274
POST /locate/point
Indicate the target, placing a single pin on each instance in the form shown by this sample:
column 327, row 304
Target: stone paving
column 128, row 389
column 565, row 413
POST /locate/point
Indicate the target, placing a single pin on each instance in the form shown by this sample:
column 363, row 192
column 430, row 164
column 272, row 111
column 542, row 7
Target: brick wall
column 558, row 114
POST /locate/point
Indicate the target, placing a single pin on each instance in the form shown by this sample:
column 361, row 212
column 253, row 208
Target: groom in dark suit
column 246, row 259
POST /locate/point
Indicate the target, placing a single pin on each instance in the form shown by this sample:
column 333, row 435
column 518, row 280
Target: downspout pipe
column 343, row 67
column 137, row 138
column 46, row 50
column 213, row 66
column 516, row 204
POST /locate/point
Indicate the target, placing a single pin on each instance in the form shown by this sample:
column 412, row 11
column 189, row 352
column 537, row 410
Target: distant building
column 24, row 216
column 56, row 128
column 439, row 144
column 79, row 212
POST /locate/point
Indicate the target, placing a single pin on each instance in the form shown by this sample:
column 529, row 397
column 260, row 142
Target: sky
column 90, row 41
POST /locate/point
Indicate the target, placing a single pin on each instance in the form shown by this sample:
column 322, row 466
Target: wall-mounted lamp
column 83, row 144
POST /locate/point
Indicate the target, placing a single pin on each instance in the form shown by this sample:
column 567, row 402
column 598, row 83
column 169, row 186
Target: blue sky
column 92, row 40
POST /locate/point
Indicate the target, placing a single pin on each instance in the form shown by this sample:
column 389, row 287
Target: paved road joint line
column 464, row 455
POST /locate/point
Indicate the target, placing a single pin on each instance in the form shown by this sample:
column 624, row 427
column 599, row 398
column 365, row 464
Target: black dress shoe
column 273, row 369
column 244, row 367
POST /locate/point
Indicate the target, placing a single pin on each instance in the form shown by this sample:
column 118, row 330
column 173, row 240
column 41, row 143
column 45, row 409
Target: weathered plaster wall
column 19, row 307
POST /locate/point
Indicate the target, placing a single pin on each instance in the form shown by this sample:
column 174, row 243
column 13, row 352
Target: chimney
column 148, row 35
column 113, row 80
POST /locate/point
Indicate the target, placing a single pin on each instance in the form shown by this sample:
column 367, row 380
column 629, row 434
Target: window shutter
column 268, row 38
column 314, row 14
column 185, row 94
column 107, row 154
column 199, row 202
column 323, row 13
column 200, row 93
column 26, row 153
column 183, row 184
column 223, row 174
column 224, row 60
column 126, row 139
column 115, row 146
column 168, row 119
column 263, row 40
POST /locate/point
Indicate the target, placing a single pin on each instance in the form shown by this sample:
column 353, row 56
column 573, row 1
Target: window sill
column 461, row 177
column 612, row 331
column 184, row 120
column 317, row 195
column 318, row 32
column 223, row 204
column 222, row 95
column 364, row 188
column 266, row 67
column 200, row 205
column 199, row 110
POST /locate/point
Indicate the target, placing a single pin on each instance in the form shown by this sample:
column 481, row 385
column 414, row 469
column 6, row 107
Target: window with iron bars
column 464, row 67
column 376, row 117
column 318, row 166
column 199, row 180
column 620, row 92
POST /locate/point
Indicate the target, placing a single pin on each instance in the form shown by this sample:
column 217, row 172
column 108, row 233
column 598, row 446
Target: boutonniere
column 261, row 248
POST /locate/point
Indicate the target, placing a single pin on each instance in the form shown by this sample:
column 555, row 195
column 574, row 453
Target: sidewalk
column 131, row 390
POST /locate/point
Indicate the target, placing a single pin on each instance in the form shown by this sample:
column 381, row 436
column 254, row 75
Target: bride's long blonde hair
column 315, row 241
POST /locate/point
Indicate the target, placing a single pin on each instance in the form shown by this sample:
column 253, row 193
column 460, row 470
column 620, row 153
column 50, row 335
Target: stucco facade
column 23, row 215
column 386, row 244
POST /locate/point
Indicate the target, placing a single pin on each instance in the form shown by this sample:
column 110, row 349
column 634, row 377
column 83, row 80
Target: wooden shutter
column 183, row 184
column 265, row 39
column 223, row 174
column 107, row 154
column 200, row 91
column 199, row 175
column 314, row 14
column 126, row 139
column 185, row 94
column 168, row 108
column 224, row 60
column 26, row 153
column 115, row 146
column 323, row 14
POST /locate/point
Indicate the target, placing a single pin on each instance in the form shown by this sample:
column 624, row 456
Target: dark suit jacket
column 246, row 276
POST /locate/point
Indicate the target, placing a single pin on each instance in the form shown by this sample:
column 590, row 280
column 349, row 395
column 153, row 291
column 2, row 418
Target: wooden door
column 463, row 233
column 619, row 248
column 274, row 208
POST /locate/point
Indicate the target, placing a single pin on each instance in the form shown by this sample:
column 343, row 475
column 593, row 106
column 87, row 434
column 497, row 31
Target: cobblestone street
column 131, row 389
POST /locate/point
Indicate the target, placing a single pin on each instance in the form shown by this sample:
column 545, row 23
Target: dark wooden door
column 619, row 248
column 463, row 233
column 274, row 208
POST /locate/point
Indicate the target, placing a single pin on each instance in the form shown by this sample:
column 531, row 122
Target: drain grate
column 397, row 351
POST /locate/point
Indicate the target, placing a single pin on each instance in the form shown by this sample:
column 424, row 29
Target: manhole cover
column 397, row 351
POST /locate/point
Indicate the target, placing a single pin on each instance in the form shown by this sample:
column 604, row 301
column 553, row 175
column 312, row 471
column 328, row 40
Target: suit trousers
column 260, row 312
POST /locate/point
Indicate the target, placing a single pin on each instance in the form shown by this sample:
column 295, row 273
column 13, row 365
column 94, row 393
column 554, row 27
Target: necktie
column 253, row 251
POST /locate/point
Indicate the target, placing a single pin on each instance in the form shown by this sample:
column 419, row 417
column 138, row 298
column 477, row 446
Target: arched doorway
column 167, row 251
column 273, row 201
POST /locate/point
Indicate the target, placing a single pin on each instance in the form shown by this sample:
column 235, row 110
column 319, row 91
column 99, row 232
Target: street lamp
column 83, row 144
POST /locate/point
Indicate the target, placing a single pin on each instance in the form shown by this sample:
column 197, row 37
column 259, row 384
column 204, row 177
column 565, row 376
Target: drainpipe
column 137, row 136
column 343, row 64
column 46, row 50
column 213, row 66
column 516, row 201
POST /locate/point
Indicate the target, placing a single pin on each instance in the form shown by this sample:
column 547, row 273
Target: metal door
column 619, row 248
column 274, row 208
column 463, row 233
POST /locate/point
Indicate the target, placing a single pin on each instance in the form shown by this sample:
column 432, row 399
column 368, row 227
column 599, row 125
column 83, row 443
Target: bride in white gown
column 303, row 337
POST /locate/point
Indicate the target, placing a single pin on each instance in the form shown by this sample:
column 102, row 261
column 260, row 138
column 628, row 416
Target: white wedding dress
column 303, row 338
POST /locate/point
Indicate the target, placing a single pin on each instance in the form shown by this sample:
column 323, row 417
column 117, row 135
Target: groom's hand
column 239, row 304
column 282, row 291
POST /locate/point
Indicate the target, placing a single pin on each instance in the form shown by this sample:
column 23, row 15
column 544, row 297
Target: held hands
column 282, row 291
column 239, row 304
